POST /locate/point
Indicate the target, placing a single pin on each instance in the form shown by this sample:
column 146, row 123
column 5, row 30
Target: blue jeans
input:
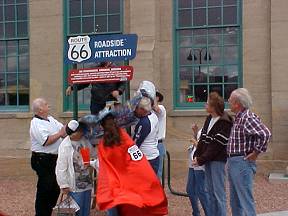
column 112, row 212
column 196, row 190
column 162, row 153
column 215, row 182
column 83, row 199
column 241, row 174
column 154, row 164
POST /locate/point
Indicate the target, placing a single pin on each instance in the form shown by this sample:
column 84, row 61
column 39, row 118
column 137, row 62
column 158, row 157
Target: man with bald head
column 46, row 134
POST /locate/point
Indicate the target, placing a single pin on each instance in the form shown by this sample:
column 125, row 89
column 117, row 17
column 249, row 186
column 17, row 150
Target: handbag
column 65, row 207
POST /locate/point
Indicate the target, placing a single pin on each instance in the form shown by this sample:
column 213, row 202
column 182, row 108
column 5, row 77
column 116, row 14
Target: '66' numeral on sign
column 79, row 49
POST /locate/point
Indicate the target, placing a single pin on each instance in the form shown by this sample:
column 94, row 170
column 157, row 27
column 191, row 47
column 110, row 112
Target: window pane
column 185, row 41
column 88, row 24
column 12, row 98
column 22, row 29
column 23, row 97
column 24, row 63
column 228, row 90
column 101, row 23
column 10, row 30
column 11, row 64
column 215, row 36
column 216, row 88
column 230, row 15
column 1, row 13
column 9, row 13
column 21, row 1
column 88, row 7
column 215, row 54
column 215, row 74
column 75, row 25
column 231, row 36
column 12, row 48
column 2, row 65
column 200, row 40
column 200, row 74
column 114, row 6
column 2, row 83
column 214, row 2
column 23, row 47
column 22, row 12
column 185, row 18
column 1, row 30
column 184, row 4
column 11, row 82
column 184, row 53
column 23, row 81
column 231, row 74
column 199, row 3
column 231, row 54
column 74, row 8
column 101, row 6
column 200, row 93
column 199, row 17
column 214, row 16
column 114, row 23
column 229, row 2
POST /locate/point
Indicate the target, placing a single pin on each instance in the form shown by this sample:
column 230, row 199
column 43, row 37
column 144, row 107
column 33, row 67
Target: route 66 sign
column 79, row 49
column 135, row 153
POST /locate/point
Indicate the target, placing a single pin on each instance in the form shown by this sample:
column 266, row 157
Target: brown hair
column 217, row 102
column 111, row 131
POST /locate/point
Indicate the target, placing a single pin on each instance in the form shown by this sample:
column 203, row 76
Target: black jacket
column 212, row 146
column 101, row 92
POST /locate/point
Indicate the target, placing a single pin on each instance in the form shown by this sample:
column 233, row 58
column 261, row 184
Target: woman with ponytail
column 126, row 181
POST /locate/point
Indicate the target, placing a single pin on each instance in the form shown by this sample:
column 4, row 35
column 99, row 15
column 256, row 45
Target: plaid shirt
column 248, row 134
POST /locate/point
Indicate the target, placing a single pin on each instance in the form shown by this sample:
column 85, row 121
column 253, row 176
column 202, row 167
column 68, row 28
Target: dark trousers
column 47, row 187
column 155, row 164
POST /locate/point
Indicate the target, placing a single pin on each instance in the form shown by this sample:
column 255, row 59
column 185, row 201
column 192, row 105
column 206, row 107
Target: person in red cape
column 126, row 181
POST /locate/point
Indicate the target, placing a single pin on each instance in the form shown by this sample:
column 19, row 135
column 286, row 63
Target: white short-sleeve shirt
column 40, row 129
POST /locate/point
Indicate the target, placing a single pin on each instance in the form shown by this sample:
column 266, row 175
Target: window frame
column 177, row 104
column 17, row 39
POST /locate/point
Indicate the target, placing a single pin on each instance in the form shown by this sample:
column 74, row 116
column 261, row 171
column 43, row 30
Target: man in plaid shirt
column 249, row 137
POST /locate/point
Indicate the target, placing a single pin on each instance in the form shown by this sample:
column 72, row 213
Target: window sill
column 196, row 112
column 18, row 115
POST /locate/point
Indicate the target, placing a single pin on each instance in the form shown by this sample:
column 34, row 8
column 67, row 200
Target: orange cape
column 130, row 185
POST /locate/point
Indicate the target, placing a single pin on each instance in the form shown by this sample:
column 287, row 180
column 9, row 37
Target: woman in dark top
column 211, row 152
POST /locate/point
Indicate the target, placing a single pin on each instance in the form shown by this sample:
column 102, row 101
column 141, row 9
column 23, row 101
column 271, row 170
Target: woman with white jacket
column 72, row 174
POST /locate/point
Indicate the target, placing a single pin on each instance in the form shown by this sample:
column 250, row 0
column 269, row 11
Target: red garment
column 130, row 185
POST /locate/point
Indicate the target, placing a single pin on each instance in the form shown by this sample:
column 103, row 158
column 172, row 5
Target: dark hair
column 81, row 127
column 111, row 131
column 160, row 96
column 217, row 102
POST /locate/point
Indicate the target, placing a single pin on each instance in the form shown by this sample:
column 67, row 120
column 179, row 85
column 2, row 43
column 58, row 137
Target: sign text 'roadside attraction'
column 100, row 48
column 100, row 75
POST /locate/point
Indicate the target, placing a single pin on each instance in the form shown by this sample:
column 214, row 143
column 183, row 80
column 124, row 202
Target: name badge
column 135, row 153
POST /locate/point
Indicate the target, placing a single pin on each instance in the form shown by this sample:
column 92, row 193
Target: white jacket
column 64, row 168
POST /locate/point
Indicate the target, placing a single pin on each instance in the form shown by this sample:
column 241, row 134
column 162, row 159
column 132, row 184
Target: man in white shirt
column 160, row 111
column 46, row 134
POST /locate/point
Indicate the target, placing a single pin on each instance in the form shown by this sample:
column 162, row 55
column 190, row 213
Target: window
column 14, row 55
column 89, row 17
column 208, row 50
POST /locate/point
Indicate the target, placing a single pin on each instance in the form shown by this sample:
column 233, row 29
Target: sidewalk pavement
column 280, row 213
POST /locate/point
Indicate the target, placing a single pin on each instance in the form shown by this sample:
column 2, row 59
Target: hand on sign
column 68, row 91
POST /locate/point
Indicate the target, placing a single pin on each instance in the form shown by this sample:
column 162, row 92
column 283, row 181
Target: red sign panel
column 100, row 74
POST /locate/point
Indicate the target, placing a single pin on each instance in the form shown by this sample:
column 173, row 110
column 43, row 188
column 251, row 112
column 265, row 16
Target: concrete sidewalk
column 281, row 213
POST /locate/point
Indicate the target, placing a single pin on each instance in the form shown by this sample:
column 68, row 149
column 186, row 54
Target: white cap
column 73, row 125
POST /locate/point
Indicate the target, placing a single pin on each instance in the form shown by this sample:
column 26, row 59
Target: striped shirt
column 248, row 134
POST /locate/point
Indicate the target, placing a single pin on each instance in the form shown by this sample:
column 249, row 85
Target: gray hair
column 145, row 103
column 243, row 97
column 37, row 104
